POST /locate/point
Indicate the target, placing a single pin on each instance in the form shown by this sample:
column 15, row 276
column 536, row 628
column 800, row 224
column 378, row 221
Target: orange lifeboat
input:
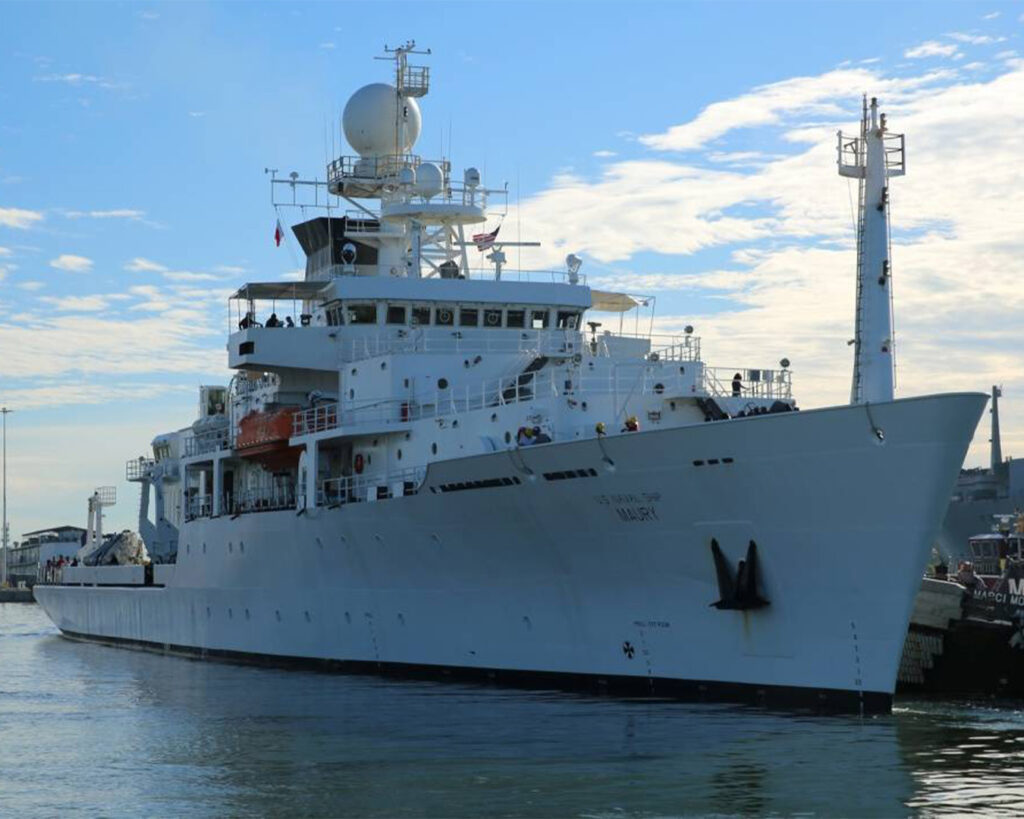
column 264, row 436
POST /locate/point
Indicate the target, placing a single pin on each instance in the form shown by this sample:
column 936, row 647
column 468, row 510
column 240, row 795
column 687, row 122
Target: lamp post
column 3, row 564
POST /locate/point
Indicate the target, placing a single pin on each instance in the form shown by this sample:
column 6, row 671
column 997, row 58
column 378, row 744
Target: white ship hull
column 606, row 577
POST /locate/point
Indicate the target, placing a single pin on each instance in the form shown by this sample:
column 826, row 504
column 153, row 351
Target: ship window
column 362, row 314
column 247, row 347
column 469, row 318
column 396, row 314
column 516, row 318
column 567, row 320
column 420, row 315
column 335, row 316
column 538, row 319
column 445, row 316
column 492, row 318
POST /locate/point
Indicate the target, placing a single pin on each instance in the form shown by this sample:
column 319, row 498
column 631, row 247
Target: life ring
column 493, row 317
column 444, row 316
column 357, row 464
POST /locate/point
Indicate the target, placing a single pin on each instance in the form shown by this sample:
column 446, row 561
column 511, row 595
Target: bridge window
column 492, row 318
column 362, row 314
column 396, row 314
column 567, row 320
column 538, row 319
column 420, row 316
column 515, row 318
column 469, row 318
column 335, row 316
column 445, row 316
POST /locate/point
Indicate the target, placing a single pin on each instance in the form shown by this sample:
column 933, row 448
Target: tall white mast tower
column 873, row 157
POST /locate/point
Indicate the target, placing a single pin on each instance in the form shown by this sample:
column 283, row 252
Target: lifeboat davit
column 264, row 436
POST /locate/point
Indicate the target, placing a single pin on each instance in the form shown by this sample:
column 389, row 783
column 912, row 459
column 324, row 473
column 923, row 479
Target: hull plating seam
column 765, row 696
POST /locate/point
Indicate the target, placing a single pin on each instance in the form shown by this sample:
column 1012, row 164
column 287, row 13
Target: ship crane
column 873, row 158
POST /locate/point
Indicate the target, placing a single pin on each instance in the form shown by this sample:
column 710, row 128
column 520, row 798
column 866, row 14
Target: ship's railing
column 536, row 342
column 451, row 401
column 207, row 441
column 675, row 348
column 198, row 506
column 138, row 469
column 262, row 499
column 770, row 384
column 369, row 488
column 374, row 167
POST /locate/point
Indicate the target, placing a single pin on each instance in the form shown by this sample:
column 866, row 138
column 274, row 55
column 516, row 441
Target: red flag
column 278, row 233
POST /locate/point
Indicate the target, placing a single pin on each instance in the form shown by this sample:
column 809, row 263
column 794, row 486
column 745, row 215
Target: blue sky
column 683, row 149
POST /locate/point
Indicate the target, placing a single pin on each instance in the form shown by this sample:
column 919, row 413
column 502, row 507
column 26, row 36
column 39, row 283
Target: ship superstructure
column 423, row 465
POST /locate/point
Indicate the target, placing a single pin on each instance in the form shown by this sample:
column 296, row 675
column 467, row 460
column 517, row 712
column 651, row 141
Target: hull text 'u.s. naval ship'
column 426, row 469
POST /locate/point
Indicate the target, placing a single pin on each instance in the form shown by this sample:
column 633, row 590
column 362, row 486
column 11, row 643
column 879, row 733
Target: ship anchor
column 739, row 592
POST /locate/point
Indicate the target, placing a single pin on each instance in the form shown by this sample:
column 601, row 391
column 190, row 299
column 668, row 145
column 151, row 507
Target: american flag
column 483, row 241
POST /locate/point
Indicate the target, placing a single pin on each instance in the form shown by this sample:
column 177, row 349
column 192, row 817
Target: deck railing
column 369, row 488
column 768, row 384
column 208, row 441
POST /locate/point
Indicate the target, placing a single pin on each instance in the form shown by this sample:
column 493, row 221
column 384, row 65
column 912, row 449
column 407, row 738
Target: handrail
column 208, row 441
column 488, row 393
column 138, row 469
column 754, row 383
column 363, row 488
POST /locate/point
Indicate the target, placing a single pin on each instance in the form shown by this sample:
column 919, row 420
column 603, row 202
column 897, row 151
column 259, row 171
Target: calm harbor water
column 90, row 730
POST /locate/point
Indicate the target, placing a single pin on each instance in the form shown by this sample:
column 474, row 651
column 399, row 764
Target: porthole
column 508, row 437
column 659, row 388
column 442, row 383
column 383, row 365
column 399, row 454
column 433, row 449
column 494, row 416
column 354, row 371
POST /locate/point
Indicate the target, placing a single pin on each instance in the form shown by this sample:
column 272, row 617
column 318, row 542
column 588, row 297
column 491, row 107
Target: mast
column 997, row 448
column 873, row 157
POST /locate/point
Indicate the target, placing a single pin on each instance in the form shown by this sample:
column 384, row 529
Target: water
column 90, row 730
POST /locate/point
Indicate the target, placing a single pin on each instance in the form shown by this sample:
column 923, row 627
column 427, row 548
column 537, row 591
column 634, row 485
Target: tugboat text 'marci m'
column 424, row 468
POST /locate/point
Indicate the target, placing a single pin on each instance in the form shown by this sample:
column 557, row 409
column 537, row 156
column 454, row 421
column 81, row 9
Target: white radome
column 369, row 121
column 429, row 180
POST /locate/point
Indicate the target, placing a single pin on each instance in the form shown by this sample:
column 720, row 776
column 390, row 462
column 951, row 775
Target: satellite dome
column 429, row 180
column 369, row 121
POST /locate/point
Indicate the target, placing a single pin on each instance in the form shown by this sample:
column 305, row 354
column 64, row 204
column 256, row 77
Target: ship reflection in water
column 95, row 730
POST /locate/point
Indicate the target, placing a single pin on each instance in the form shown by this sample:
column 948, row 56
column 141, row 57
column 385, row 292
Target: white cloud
column 31, row 286
column 70, row 78
column 197, row 114
column 76, row 304
column 991, row 15
column 821, row 97
column 141, row 265
column 6, row 251
column 19, row 217
column 232, row 269
column 975, row 66
column 931, row 48
column 71, row 263
column 121, row 213
column 327, row 46
column 605, row 154
column 188, row 276
column 975, row 39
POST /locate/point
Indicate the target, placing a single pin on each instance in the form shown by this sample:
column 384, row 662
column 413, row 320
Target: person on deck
column 737, row 384
column 273, row 321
